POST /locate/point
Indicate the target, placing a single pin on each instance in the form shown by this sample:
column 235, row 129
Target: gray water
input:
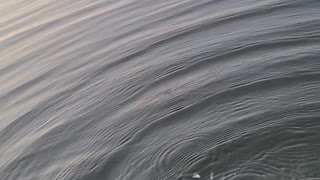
column 159, row 89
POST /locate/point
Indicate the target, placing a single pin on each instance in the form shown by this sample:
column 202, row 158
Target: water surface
column 159, row 90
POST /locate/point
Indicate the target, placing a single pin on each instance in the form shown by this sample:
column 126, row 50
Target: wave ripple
column 156, row 90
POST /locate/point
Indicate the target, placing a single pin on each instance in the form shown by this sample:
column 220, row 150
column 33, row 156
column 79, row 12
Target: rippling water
column 159, row 90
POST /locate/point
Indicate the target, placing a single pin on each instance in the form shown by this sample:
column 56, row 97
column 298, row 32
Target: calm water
column 159, row 89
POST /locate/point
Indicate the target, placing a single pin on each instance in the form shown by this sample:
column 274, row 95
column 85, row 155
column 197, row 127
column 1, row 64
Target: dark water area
column 159, row 90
